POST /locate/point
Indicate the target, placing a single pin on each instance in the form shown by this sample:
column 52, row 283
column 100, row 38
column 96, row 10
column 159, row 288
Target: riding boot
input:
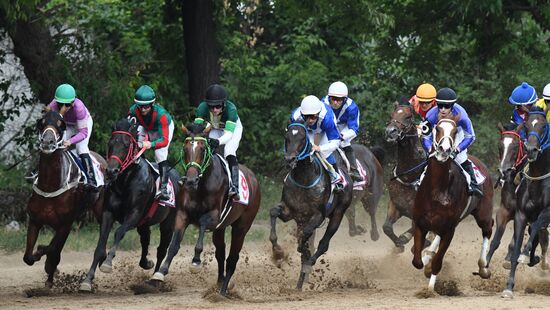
column 335, row 179
column 354, row 172
column 163, row 190
column 474, row 187
column 91, row 185
column 234, row 167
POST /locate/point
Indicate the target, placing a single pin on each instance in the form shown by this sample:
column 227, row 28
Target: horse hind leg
column 392, row 216
column 543, row 239
column 437, row 261
column 166, row 230
column 502, row 218
column 129, row 223
column 370, row 204
column 218, row 238
column 54, row 255
column 145, row 238
column 238, row 234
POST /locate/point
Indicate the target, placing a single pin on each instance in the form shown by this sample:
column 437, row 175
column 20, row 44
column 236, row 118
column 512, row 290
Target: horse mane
column 53, row 118
column 536, row 108
column 403, row 101
column 510, row 126
column 127, row 124
column 195, row 128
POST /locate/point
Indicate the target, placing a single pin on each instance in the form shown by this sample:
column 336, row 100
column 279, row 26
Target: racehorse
column 533, row 192
column 130, row 200
column 58, row 196
column 370, row 192
column 306, row 198
column 512, row 160
column 411, row 159
column 442, row 202
column 204, row 202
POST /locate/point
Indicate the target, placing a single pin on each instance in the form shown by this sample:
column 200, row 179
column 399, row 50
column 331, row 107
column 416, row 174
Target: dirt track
column 356, row 273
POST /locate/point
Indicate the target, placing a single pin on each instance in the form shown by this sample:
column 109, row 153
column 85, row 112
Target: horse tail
column 379, row 153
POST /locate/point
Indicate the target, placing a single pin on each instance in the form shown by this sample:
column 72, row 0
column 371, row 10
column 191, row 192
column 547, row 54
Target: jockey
column 319, row 119
column 154, row 122
column 544, row 103
column 79, row 127
column 347, row 122
column 227, row 130
column 422, row 102
column 523, row 97
column 446, row 104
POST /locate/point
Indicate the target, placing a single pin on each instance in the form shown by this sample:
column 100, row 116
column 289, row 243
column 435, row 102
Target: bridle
column 305, row 153
column 521, row 152
column 403, row 128
column 206, row 158
column 134, row 151
column 438, row 142
column 51, row 148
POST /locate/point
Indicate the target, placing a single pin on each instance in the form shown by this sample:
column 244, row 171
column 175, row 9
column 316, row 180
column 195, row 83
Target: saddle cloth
column 359, row 185
column 170, row 187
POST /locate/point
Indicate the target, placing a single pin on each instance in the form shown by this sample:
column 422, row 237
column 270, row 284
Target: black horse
column 204, row 202
column 130, row 200
column 305, row 198
column 534, row 191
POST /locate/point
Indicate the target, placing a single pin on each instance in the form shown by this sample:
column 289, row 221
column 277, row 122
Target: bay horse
column 411, row 159
column 442, row 202
column 370, row 192
column 58, row 196
column 130, row 200
column 512, row 160
column 534, row 191
column 202, row 201
column 305, row 199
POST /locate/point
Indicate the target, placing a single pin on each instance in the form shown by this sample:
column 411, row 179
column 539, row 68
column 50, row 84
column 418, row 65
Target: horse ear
column 184, row 130
column 61, row 124
column 500, row 127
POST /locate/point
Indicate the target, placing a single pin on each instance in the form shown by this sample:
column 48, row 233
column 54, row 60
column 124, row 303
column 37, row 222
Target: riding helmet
column 65, row 93
column 446, row 95
column 144, row 95
column 523, row 95
column 215, row 95
column 546, row 92
column 338, row 89
column 310, row 105
column 425, row 92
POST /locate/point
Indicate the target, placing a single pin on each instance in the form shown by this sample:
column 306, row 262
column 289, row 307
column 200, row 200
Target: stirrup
column 234, row 193
column 356, row 176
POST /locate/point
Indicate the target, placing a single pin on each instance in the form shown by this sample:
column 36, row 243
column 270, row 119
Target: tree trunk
column 35, row 48
column 201, row 48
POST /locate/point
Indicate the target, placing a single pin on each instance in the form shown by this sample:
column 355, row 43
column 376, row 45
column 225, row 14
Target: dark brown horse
column 534, row 191
column 512, row 160
column 411, row 159
column 202, row 201
column 306, row 199
column 442, row 202
column 130, row 200
column 58, row 196
column 370, row 192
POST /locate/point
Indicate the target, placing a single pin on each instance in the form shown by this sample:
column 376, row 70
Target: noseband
column 306, row 151
column 205, row 159
column 58, row 139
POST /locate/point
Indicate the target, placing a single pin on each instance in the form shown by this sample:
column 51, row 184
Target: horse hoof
column 28, row 260
column 398, row 249
column 148, row 264
column 524, row 259
column 48, row 284
column 544, row 266
column 85, row 287
column 507, row 265
column 195, row 268
column 484, row 273
column 374, row 235
column 158, row 276
column 507, row 294
column 106, row 268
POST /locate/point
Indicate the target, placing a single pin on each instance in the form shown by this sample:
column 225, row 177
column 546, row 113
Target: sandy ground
column 356, row 273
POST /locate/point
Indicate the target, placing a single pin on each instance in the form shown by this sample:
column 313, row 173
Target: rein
column 132, row 153
column 521, row 153
column 402, row 131
column 205, row 160
column 305, row 153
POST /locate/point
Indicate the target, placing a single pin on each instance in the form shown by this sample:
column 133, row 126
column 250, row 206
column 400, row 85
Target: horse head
column 401, row 123
column 196, row 153
column 511, row 150
column 445, row 137
column 50, row 132
column 122, row 147
column 537, row 129
column 297, row 144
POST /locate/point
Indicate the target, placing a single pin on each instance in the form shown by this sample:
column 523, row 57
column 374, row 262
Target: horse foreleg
column 145, row 238
column 54, row 254
column 238, row 233
column 166, row 229
column 304, row 234
column 430, row 251
column 502, row 218
column 100, row 250
column 218, row 238
column 334, row 222
column 205, row 221
column 180, row 226
column 418, row 244
column 274, row 213
column 129, row 223
column 519, row 228
column 543, row 239
column 392, row 216
column 32, row 234
column 437, row 260
column 542, row 222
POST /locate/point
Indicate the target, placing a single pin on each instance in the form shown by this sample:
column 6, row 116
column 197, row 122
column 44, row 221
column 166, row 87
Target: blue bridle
column 305, row 153
column 544, row 141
